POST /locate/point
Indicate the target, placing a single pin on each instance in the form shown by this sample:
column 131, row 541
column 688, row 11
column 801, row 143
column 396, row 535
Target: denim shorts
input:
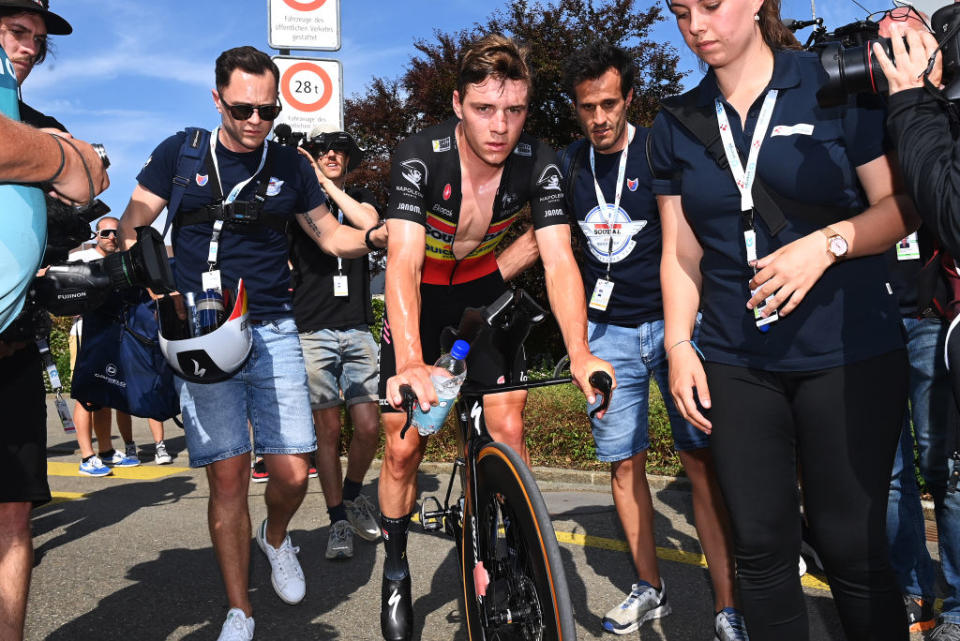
column 269, row 391
column 635, row 353
column 341, row 360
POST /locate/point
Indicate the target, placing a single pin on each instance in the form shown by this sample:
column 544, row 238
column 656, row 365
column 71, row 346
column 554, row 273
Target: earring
column 756, row 17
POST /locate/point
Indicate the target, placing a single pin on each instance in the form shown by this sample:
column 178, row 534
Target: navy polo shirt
column 257, row 255
column 634, row 256
column 810, row 154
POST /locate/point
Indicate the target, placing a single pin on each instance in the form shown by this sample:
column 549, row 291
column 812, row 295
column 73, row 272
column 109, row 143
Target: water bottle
column 210, row 312
column 447, row 384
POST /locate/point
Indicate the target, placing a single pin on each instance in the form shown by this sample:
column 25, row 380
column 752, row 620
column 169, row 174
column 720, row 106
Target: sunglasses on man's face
column 245, row 112
column 337, row 141
column 107, row 233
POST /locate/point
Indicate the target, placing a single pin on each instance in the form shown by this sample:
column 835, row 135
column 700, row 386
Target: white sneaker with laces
column 160, row 454
column 644, row 603
column 237, row 627
column 286, row 574
column 363, row 517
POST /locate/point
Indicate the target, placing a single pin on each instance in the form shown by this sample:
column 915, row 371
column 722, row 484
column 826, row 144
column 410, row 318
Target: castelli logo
column 447, row 190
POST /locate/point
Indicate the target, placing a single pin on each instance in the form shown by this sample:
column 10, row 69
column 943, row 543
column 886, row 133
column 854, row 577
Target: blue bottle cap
column 460, row 349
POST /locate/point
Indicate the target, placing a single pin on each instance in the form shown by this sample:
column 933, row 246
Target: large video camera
column 70, row 289
column 847, row 56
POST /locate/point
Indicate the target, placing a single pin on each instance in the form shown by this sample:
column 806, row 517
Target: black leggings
column 841, row 427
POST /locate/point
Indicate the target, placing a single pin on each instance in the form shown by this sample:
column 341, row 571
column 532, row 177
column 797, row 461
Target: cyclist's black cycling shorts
column 442, row 306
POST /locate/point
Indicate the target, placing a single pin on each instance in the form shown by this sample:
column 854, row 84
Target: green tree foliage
column 391, row 110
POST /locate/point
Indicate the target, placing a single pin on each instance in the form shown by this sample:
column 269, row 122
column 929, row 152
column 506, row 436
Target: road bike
column 511, row 571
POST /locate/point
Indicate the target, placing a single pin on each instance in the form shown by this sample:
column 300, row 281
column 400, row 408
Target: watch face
column 838, row 245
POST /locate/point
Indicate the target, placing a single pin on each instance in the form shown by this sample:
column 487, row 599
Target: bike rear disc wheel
column 508, row 529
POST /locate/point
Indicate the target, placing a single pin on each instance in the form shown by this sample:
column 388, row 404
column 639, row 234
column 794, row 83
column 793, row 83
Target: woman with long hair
column 775, row 210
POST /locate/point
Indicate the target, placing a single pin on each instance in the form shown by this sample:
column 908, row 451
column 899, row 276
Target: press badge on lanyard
column 340, row 285
column 744, row 179
column 603, row 289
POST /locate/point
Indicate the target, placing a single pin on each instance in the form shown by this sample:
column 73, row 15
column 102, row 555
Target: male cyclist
column 455, row 189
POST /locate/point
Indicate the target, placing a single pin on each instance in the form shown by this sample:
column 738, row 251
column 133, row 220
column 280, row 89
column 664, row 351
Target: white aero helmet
column 214, row 356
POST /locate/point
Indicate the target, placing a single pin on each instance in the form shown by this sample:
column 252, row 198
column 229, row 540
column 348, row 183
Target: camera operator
column 919, row 115
column 74, row 170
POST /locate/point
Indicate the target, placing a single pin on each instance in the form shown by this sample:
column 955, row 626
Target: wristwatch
column 836, row 244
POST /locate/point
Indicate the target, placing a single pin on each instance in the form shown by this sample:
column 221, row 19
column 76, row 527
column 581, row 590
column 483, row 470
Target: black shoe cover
column 396, row 609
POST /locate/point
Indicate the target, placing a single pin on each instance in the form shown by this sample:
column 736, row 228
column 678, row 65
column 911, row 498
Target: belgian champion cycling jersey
column 425, row 185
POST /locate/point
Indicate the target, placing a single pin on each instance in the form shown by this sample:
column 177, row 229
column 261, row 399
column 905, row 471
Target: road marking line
column 140, row 473
column 667, row 554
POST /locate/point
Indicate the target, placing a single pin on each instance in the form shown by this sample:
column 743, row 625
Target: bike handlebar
column 599, row 379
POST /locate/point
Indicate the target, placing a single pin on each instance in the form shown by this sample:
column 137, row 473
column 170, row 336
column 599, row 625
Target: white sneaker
column 363, row 517
column 237, row 627
column 644, row 603
column 286, row 575
column 160, row 454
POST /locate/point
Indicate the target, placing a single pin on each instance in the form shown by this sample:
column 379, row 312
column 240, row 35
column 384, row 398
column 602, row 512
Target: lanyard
column 218, row 224
column 339, row 220
column 745, row 178
column 602, row 202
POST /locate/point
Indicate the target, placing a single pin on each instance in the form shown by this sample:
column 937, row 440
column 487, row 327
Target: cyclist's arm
column 565, row 289
column 519, row 256
column 144, row 208
column 405, row 258
column 331, row 236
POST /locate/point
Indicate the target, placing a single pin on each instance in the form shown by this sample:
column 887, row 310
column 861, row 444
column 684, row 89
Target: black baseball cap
column 56, row 25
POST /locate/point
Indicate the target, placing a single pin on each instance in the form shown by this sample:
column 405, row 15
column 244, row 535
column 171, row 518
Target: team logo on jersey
column 201, row 179
column 550, row 178
column 632, row 184
column 620, row 229
column 447, row 190
column 441, row 144
column 273, row 188
column 415, row 172
column 508, row 201
column 523, row 149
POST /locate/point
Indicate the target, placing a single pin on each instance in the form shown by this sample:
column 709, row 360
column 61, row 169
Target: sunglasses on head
column 245, row 112
column 107, row 233
column 337, row 141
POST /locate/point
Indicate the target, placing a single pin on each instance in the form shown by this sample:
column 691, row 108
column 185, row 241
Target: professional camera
column 283, row 134
column 847, row 56
column 70, row 289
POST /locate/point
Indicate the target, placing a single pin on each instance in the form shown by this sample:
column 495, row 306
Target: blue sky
column 133, row 73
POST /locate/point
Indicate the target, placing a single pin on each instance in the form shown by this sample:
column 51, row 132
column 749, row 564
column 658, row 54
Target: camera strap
column 63, row 411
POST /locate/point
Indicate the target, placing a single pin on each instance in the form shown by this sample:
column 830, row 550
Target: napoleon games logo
column 550, row 178
column 619, row 229
column 415, row 172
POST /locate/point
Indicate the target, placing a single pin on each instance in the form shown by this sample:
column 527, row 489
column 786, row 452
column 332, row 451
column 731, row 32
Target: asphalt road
column 129, row 557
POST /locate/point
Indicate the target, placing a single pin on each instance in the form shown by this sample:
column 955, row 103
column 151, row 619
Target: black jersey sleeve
column 547, row 206
column 408, row 182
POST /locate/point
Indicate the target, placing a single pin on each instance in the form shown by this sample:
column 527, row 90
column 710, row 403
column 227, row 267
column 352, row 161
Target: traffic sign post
column 311, row 92
column 312, row 25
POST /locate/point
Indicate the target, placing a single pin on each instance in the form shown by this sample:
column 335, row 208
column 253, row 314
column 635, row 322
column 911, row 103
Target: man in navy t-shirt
column 609, row 198
column 270, row 390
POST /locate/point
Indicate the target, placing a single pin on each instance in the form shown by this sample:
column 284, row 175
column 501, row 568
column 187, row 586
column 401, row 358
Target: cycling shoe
column 396, row 609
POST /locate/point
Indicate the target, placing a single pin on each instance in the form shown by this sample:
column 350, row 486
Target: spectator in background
column 85, row 414
column 331, row 304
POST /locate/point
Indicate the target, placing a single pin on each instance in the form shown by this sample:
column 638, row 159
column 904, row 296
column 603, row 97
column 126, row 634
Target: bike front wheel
column 514, row 586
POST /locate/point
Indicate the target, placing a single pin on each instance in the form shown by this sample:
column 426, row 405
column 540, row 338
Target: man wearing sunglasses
column 231, row 224
column 331, row 303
